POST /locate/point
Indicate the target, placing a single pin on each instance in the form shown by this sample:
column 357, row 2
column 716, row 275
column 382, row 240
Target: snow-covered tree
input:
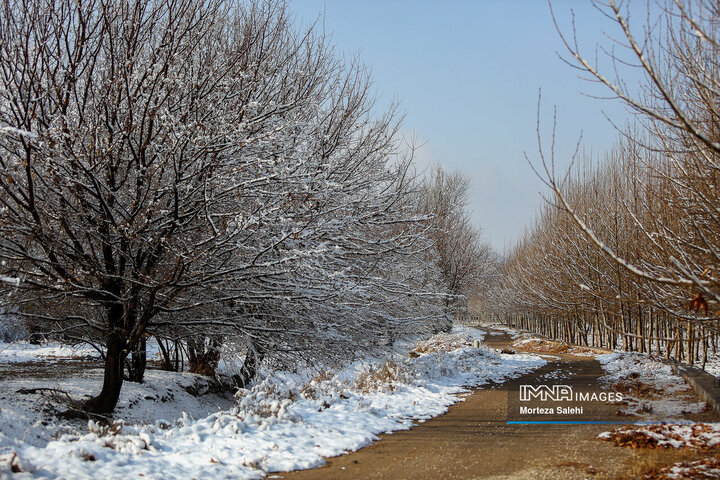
column 199, row 171
column 465, row 260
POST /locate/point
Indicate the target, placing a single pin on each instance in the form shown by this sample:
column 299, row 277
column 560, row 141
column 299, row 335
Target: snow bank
column 20, row 351
column 701, row 436
column 28, row 418
column 27, row 352
column 713, row 365
column 706, row 468
column 288, row 421
column 650, row 386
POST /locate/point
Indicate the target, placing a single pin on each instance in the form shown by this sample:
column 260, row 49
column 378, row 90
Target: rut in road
column 474, row 440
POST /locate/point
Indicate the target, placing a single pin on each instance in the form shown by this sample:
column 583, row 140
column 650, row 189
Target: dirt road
column 474, row 440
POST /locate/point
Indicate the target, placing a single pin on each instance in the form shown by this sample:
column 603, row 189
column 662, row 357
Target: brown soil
column 51, row 368
column 473, row 440
column 541, row 345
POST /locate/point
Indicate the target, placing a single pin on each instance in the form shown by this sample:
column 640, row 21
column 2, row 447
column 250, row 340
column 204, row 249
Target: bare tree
column 465, row 261
column 648, row 212
column 678, row 56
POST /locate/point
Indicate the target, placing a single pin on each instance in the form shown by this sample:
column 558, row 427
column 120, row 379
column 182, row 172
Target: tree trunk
column 165, row 353
column 203, row 358
column 106, row 401
column 138, row 361
column 251, row 364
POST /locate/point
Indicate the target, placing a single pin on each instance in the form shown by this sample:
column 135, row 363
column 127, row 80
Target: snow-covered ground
column 286, row 421
column 27, row 352
column 650, row 387
column 701, row 436
column 712, row 366
column 30, row 418
column 20, row 351
column 697, row 436
column 708, row 468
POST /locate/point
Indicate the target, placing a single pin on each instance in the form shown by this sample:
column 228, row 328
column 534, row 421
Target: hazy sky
column 467, row 74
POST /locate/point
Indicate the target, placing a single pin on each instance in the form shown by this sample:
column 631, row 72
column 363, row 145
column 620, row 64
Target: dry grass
column 105, row 429
column 386, row 377
column 647, row 464
column 441, row 343
column 538, row 345
column 633, row 439
column 265, row 400
column 706, row 468
column 114, row 438
column 541, row 345
column 314, row 388
column 635, row 388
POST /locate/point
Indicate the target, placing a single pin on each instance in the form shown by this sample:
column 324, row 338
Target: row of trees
column 208, row 174
column 557, row 282
column 628, row 251
column 467, row 264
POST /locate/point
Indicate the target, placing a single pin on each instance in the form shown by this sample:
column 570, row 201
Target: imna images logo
column 543, row 393
column 564, row 393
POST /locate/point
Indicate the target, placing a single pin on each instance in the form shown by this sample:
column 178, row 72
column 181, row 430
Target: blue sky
column 467, row 75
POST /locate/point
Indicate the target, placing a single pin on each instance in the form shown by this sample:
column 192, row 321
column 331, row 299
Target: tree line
column 625, row 254
column 216, row 177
